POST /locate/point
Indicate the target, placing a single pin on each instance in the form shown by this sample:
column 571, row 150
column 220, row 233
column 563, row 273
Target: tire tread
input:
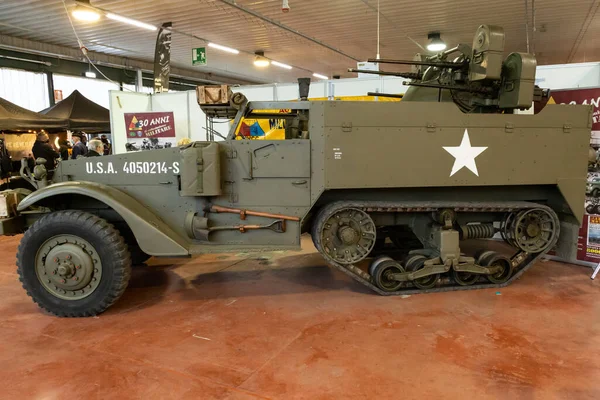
column 105, row 232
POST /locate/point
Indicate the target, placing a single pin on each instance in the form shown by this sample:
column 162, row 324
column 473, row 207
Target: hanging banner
column 162, row 59
column 149, row 130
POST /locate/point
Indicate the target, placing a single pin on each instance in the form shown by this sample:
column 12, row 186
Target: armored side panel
column 370, row 145
column 267, row 173
column 488, row 48
column 179, row 186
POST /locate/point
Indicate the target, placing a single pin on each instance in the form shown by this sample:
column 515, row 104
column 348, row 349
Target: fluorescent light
column 260, row 60
column 435, row 42
column 436, row 46
column 320, row 76
column 282, row 65
column 223, row 48
column 85, row 14
column 90, row 74
column 130, row 21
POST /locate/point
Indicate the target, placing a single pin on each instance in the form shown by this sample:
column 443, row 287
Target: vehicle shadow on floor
column 265, row 274
column 254, row 276
column 271, row 281
column 148, row 286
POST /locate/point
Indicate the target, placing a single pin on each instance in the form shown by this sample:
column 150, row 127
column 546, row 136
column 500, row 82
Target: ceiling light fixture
column 435, row 42
column 319, row 76
column 223, row 48
column 281, row 65
column 130, row 21
column 260, row 60
column 89, row 73
column 84, row 12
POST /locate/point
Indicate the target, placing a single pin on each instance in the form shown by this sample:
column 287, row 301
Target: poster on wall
column 149, row 130
column 19, row 145
column 588, row 246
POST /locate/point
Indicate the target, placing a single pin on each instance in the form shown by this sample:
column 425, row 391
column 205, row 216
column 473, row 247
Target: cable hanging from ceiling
column 84, row 49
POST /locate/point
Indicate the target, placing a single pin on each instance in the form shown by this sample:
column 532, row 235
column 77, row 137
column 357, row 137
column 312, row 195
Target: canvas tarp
column 81, row 114
column 18, row 119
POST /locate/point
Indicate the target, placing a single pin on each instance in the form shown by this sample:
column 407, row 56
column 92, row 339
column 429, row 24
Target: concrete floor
column 285, row 326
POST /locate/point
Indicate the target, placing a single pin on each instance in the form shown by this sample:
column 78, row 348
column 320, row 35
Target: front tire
column 73, row 264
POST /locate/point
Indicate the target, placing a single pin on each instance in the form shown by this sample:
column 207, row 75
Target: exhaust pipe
column 303, row 86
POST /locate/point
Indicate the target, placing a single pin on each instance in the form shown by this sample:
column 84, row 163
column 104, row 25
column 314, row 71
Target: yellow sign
column 274, row 129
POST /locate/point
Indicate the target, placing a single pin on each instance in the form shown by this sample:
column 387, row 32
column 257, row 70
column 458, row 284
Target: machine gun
column 477, row 78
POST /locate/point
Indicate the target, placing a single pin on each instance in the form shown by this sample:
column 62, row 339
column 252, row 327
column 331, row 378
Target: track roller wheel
column 376, row 262
column 380, row 271
column 464, row 278
column 415, row 263
column 481, row 257
column 499, row 261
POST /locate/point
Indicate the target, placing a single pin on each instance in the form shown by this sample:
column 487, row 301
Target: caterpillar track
column 521, row 260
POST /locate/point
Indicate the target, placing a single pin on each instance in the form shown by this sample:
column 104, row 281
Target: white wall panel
column 26, row 89
column 97, row 90
column 287, row 92
column 568, row 76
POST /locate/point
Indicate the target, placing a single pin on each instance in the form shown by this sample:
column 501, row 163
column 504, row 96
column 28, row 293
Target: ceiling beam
column 232, row 3
column 584, row 27
column 74, row 54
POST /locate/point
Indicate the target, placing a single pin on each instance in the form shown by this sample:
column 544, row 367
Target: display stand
column 596, row 270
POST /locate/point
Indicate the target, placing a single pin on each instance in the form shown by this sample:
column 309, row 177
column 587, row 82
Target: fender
column 153, row 236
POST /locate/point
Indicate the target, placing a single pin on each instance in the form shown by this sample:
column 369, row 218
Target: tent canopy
column 81, row 113
column 16, row 119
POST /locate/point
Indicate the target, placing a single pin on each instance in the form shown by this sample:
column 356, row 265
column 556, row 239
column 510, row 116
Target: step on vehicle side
column 453, row 161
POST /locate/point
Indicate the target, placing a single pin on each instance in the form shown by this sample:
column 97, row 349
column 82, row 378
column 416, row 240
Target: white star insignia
column 465, row 155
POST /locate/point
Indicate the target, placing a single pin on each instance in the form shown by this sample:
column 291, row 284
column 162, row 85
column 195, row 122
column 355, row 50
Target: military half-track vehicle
column 453, row 161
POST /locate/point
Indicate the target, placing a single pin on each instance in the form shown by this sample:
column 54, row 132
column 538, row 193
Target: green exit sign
column 199, row 56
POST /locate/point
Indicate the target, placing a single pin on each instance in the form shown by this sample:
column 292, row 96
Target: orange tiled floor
column 285, row 326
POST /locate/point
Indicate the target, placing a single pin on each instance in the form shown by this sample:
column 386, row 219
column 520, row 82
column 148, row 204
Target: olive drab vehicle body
column 389, row 191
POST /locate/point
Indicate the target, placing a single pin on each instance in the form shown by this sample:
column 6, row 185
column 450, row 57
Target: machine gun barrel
column 407, row 75
column 458, row 88
column 440, row 64
column 377, row 94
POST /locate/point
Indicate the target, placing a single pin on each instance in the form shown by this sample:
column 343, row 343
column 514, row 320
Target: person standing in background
column 96, row 148
column 43, row 149
column 107, row 146
column 79, row 148
column 64, row 149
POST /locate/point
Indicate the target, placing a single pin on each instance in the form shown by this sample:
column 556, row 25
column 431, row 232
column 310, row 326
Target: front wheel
column 73, row 264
